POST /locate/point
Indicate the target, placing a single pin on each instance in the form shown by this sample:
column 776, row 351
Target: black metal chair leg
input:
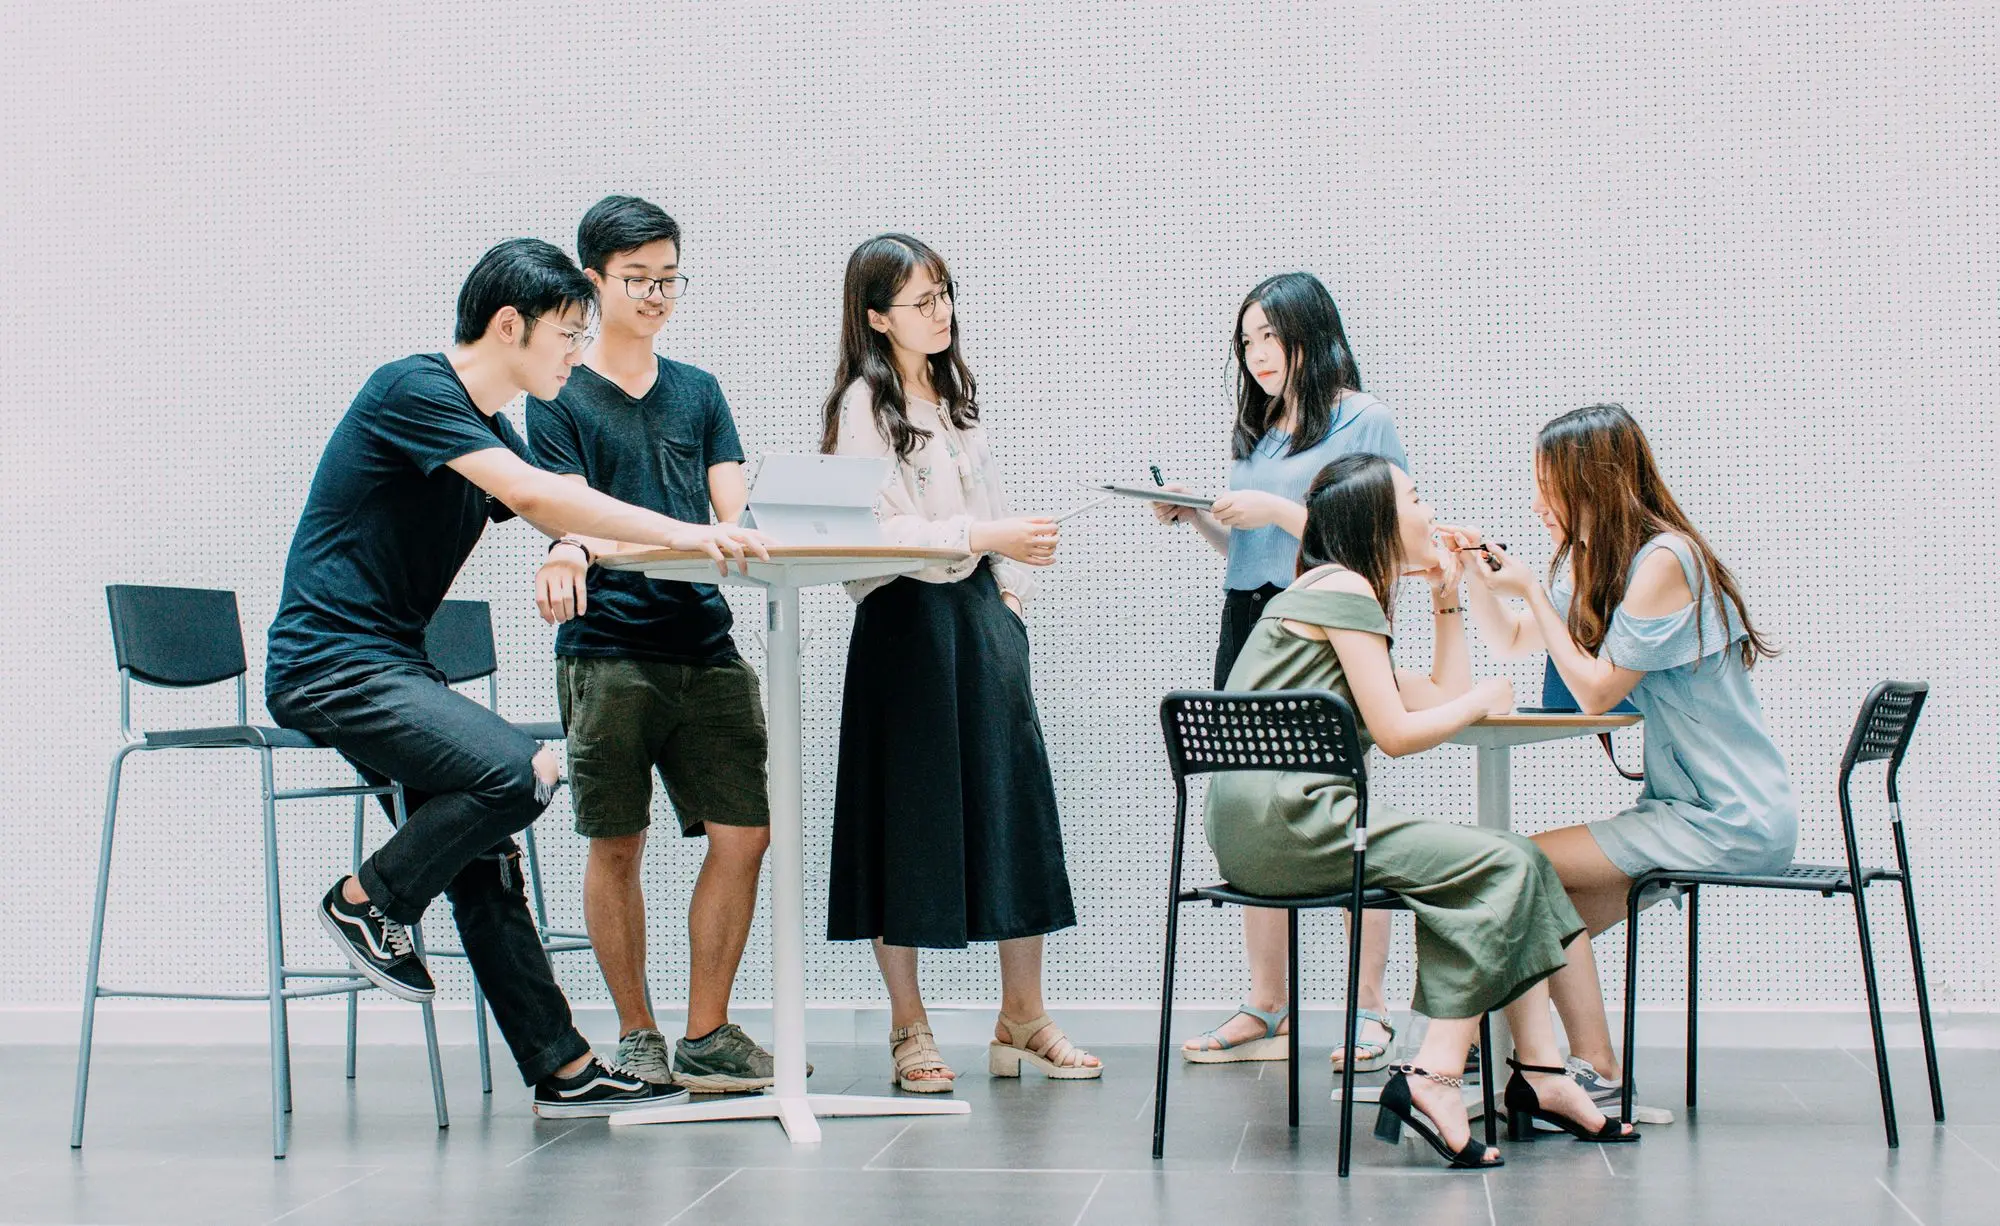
column 1351, row 1030
column 1917, row 967
column 1631, row 1052
column 1166, row 1029
column 1875, row 1017
column 1292, row 1005
column 1486, row 1078
column 1694, row 989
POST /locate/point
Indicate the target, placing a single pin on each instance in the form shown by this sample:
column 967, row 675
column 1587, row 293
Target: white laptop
column 818, row 499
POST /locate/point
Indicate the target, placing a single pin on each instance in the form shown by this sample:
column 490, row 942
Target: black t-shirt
column 653, row 452
column 386, row 526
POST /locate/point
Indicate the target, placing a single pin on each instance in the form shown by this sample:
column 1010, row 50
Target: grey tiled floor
column 180, row 1136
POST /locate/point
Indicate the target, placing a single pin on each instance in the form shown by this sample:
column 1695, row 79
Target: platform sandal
column 1398, row 1109
column 1524, row 1108
column 914, row 1049
column 1271, row 1045
column 1374, row 1056
column 1058, row 1059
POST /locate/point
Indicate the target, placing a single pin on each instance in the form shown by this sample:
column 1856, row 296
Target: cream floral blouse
column 933, row 498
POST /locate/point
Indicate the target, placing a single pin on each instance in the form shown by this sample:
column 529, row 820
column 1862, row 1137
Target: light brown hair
column 1606, row 493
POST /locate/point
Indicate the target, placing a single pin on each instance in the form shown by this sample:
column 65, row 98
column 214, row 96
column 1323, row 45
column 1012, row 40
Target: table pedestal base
column 799, row 1115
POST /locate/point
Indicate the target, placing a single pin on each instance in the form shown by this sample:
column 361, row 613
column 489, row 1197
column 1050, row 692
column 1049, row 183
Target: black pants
column 1240, row 610
column 469, row 785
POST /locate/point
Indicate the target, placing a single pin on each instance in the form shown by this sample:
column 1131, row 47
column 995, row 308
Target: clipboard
column 1152, row 493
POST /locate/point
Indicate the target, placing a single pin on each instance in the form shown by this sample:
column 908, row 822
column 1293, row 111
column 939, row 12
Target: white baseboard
column 191, row 1023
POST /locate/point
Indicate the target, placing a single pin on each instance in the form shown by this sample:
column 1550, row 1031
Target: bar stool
column 459, row 641
column 186, row 638
column 1276, row 730
column 1882, row 732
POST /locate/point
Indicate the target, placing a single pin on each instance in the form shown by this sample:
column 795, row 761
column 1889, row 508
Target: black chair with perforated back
column 459, row 641
column 188, row 638
column 1881, row 733
column 1277, row 730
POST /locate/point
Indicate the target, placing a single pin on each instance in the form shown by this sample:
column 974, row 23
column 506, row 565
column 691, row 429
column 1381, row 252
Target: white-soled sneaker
column 599, row 1090
column 1606, row 1094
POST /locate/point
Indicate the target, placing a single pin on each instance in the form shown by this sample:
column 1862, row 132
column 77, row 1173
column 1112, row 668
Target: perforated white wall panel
column 1766, row 228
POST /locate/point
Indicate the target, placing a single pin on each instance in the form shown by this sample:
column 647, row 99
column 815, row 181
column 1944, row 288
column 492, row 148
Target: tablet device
column 818, row 499
column 1153, row 493
column 1556, row 698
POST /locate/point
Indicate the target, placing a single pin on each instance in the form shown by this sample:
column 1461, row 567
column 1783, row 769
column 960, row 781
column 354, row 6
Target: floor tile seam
column 685, row 1209
column 1953, row 1134
column 1091, row 1199
column 329, row 1193
column 1899, row 1201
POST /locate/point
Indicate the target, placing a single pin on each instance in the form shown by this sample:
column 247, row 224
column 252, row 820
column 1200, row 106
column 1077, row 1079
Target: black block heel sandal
column 1523, row 1109
column 1398, row 1109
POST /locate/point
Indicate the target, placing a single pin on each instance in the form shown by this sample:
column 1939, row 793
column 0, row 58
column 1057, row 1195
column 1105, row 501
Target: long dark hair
column 1608, row 498
column 876, row 272
column 1319, row 365
column 1351, row 521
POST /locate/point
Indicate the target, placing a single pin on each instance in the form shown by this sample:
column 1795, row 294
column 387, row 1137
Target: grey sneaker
column 643, row 1053
column 726, row 1061
column 1606, row 1094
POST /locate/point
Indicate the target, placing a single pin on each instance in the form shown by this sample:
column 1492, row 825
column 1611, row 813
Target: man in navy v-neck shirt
column 647, row 674
column 417, row 467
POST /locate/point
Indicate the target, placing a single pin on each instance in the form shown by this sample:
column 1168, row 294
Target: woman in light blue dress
column 1299, row 407
column 1644, row 609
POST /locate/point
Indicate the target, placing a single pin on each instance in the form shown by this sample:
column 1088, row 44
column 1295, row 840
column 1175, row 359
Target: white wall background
column 1767, row 228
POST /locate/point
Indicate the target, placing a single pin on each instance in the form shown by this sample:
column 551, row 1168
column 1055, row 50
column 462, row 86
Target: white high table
column 791, row 567
column 1494, row 739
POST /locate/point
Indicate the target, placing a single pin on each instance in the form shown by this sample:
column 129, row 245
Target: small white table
column 791, row 567
column 1494, row 738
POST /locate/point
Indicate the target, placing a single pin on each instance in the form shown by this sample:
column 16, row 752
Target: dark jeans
column 469, row 785
column 1241, row 608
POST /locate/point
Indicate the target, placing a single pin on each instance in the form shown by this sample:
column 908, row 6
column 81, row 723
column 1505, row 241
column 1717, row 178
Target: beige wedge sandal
column 1059, row 1059
column 914, row 1049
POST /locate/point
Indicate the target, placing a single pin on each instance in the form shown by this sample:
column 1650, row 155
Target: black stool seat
column 541, row 730
column 1223, row 892
column 1819, row 878
column 230, row 736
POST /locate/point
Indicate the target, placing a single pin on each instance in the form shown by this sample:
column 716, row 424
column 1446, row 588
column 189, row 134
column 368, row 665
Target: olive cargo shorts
column 700, row 726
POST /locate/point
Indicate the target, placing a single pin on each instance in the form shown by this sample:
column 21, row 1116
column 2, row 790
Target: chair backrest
column 176, row 636
column 1268, row 730
column 1883, row 729
column 459, row 640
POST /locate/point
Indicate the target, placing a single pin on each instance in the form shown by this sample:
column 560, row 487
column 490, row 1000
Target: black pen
column 1486, row 547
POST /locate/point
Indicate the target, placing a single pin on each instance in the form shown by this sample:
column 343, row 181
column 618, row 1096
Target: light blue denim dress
column 1717, row 796
column 1270, row 555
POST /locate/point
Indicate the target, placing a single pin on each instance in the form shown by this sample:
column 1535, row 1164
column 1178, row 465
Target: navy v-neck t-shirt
column 653, row 451
column 386, row 525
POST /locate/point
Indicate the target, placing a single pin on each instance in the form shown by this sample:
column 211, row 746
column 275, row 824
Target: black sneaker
column 379, row 947
column 598, row 1090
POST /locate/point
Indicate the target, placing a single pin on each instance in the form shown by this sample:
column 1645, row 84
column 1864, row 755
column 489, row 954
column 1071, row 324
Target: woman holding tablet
column 1492, row 917
column 1644, row 609
column 1299, row 406
column 945, row 829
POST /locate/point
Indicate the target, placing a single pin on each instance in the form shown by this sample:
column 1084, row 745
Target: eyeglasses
column 928, row 305
column 578, row 339
column 642, row 287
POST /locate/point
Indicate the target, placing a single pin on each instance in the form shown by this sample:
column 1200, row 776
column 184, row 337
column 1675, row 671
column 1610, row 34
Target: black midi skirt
column 944, row 814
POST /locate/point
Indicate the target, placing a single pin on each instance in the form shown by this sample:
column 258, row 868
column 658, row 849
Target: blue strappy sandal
column 1374, row 1056
column 1271, row 1045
